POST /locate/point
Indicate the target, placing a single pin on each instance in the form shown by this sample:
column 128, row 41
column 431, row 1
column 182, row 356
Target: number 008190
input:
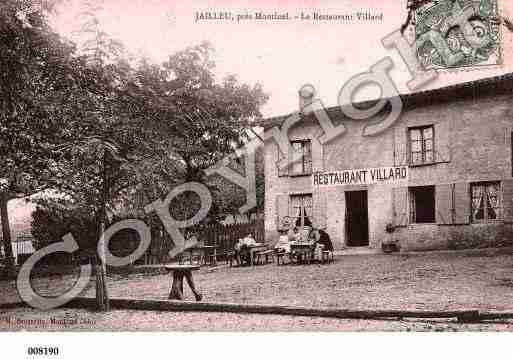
column 43, row 351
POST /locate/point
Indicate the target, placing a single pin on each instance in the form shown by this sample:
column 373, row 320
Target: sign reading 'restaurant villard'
column 384, row 175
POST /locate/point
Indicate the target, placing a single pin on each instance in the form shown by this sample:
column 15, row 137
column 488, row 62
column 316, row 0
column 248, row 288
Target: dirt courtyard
column 481, row 280
column 432, row 281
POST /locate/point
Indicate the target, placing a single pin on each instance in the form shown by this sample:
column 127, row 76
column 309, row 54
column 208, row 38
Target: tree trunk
column 102, row 294
column 6, row 230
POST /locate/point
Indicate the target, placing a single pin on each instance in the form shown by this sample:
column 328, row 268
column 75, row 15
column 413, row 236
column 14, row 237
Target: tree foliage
column 103, row 131
column 56, row 218
column 38, row 75
column 197, row 119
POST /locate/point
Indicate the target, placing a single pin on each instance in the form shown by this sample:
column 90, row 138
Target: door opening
column 357, row 219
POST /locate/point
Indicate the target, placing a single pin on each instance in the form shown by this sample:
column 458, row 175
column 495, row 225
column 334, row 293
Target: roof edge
column 476, row 88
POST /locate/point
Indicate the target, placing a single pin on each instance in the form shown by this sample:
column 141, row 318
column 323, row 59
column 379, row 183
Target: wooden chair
column 6, row 261
column 196, row 257
column 267, row 254
column 5, row 264
column 280, row 255
column 327, row 256
column 210, row 256
column 230, row 257
column 185, row 258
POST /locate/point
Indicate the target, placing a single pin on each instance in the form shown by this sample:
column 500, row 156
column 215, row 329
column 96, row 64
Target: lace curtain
column 302, row 209
column 485, row 201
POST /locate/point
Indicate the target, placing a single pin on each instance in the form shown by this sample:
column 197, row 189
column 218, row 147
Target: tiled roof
column 473, row 89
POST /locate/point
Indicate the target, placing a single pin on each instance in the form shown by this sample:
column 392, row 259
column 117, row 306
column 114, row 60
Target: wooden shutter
column 400, row 206
column 444, row 203
column 461, row 203
column 442, row 141
column 284, row 171
column 400, row 146
column 320, row 209
column 510, row 130
column 317, row 156
column 282, row 211
column 507, row 197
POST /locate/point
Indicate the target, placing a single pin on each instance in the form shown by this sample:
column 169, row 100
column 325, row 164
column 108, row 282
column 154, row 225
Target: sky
column 280, row 55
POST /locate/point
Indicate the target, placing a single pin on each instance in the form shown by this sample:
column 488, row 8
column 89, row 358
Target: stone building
column 441, row 176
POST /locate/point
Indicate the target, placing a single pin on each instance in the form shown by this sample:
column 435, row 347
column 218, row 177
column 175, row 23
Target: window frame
column 303, row 198
column 499, row 208
column 413, row 206
column 423, row 149
column 306, row 171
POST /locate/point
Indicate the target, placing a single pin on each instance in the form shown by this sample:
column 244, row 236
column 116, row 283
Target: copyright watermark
column 387, row 109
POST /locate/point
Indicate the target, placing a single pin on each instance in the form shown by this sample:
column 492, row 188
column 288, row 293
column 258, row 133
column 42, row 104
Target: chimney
column 306, row 96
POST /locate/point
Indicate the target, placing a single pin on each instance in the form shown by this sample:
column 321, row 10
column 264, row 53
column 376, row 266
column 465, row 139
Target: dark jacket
column 324, row 239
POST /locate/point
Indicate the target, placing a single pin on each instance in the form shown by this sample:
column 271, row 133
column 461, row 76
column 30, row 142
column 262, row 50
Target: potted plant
column 389, row 245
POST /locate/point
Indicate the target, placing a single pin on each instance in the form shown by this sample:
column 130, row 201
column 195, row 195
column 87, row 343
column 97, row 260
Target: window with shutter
column 507, row 195
column 303, row 166
column 422, row 204
column 301, row 209
column 320, row 209
column 282, row 212
column 400, row 147
column 400, row 206
column 442, row 141
column 486, row 204
column 299, row 157
column 421, row 145
column 461, row 203
column 444, row 204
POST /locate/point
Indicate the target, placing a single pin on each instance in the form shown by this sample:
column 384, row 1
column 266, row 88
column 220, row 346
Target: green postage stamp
column 458, row 33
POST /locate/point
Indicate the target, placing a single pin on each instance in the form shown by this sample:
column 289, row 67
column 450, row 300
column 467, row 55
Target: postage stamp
column 458, row 33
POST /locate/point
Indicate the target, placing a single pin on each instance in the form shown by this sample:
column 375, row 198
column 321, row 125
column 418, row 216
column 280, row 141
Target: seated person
column 241, row 254
column 325, row 240
column 293, row 234
column 322, row 242
column 284, row 241
column 247, row 241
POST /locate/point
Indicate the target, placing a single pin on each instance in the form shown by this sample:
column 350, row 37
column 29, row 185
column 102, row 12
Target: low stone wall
column 424, row 237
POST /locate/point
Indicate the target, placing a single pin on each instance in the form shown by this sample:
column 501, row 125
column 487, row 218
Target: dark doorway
column 357, row 219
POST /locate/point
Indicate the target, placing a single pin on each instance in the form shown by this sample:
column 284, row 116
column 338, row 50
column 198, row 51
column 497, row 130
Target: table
column 202, row 249
column 179, row 272
column 6, row 261
column 251, row 250
column 303, row 249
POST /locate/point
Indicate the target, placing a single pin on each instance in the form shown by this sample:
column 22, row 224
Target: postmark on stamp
column 458, row 33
